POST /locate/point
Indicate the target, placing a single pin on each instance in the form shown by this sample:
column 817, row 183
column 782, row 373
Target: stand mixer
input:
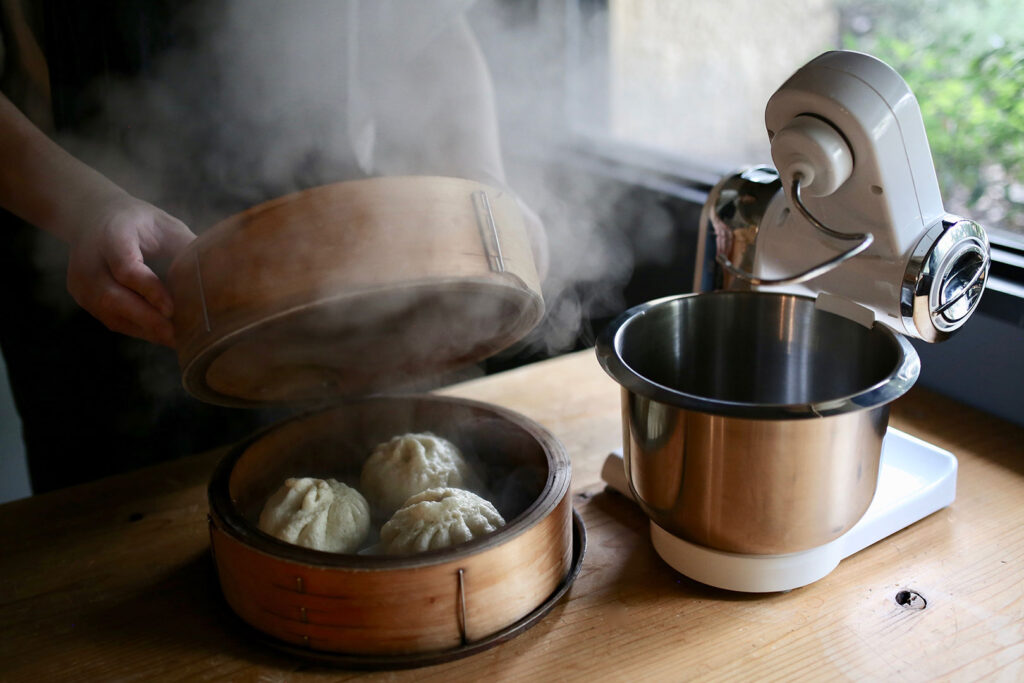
column 851, row 219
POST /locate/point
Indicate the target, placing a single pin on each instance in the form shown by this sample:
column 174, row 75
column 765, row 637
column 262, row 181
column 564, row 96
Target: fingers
column 122, row 310
column 135, row 237
column 159, row 332
column 110, row 280
column 111, row 268
column 128, row 269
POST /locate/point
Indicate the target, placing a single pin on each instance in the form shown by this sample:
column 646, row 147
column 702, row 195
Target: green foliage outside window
column 965, row 63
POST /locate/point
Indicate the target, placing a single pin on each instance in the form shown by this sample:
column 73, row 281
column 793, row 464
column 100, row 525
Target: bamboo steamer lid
column 352, row 288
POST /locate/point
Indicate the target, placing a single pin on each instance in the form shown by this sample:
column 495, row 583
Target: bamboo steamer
column 395, row 610
column 345, row 290
column 351, row 288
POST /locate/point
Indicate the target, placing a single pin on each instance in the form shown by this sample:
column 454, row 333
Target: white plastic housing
column 812, row 149
column 892, row 190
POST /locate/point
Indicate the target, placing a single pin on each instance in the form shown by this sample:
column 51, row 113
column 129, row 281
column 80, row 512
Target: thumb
column 172, row 236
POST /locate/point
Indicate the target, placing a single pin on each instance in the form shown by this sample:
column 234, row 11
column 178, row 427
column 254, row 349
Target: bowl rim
column 896, row 383
column 228, row 519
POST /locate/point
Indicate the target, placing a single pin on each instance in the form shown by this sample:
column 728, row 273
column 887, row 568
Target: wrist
column 85, row 206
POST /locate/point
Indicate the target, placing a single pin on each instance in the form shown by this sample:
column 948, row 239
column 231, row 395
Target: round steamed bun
column 318, row 514
column 409, row 464
column 438, row 518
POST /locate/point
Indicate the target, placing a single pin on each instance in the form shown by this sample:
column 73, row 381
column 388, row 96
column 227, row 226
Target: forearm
column 42, row 183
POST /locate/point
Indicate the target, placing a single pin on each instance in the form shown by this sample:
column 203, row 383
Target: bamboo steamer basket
column 345, row 290
column 351, row 288
column 392, row 611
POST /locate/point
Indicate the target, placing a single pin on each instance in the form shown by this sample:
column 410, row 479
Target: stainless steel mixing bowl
column 753, row 422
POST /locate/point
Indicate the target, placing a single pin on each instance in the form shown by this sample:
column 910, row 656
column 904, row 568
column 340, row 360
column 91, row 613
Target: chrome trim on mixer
column 742, row 314
column 974, row 284
column 938, row 263
column 865, row 241
column 733, row 211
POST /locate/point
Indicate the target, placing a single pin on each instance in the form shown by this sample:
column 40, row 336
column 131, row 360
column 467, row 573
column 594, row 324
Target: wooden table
column 113, row 580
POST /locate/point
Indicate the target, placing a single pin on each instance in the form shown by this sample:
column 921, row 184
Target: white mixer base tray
column 915, row 479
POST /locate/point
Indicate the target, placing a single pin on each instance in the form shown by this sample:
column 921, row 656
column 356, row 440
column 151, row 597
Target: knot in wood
column 910, row 599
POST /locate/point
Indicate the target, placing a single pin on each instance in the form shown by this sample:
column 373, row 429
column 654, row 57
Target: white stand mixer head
column 849, row 130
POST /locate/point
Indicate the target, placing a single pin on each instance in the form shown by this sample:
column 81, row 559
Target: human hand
column 109, row 270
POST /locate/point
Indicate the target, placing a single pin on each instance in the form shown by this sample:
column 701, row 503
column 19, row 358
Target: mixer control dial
column 945, row 278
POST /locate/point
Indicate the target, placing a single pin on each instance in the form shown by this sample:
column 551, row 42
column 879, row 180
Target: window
column 666, row 96
column 692, row 79
column 965, row 62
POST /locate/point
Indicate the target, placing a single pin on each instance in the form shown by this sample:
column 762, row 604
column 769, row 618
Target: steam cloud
column 259, row 99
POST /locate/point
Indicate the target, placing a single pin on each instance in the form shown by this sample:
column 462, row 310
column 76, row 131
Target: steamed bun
column 318, row 514
column 438, row 518
column 409, row 464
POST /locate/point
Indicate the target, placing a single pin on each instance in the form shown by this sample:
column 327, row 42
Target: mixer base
column 915, row 479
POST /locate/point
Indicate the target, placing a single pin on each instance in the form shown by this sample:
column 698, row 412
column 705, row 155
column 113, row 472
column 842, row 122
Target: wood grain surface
column 113, row 580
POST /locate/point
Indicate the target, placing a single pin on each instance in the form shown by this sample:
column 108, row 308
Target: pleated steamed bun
column 438, row 518
column 318, row 514
column 411, row 463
